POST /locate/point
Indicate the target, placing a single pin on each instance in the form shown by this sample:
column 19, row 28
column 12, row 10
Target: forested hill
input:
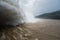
column 52, row 15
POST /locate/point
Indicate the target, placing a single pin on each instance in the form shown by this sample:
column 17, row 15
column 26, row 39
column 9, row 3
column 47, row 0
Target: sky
column 33, row 8
column 45, row 6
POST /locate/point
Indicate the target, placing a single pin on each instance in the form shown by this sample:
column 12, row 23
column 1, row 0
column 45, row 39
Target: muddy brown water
column 44, row 29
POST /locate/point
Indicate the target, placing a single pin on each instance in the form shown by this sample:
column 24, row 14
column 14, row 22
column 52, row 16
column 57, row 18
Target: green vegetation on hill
column 52, row 15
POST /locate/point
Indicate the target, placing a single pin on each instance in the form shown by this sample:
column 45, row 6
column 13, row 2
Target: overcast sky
column 44, row 6
column 40, row 6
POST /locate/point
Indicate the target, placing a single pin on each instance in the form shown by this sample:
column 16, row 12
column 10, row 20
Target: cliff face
column 52, row 15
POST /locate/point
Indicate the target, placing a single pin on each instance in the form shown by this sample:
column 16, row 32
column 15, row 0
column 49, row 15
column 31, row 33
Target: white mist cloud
column 27, row 6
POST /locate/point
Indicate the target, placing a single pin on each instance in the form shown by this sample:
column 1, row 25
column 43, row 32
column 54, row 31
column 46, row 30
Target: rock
column 10, row 15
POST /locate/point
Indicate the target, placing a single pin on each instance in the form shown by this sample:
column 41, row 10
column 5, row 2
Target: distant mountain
column 52, row 15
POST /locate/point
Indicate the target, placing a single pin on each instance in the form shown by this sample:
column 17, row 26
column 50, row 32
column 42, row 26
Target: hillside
column 52, row 15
